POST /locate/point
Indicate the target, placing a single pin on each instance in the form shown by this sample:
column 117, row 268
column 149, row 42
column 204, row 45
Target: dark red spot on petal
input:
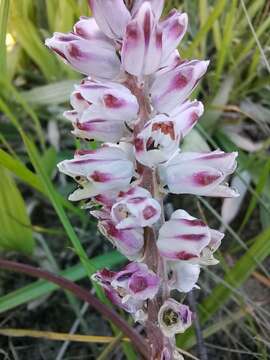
column 75, row 52
column 183, row 255
column 138, row 284
column 113, row 102
column 203, row 178
column 99, row 176
column 148, row 212
column 150, row 144
column 106, row 274
column 159, row 39
column 110, row 229
column 129, row 192
column 138, row 143
column 78, row 96
column 180, row 81
column 147, row 28
column 132, row 32
column 195, row 222
column 192, row 237
column 84, row 152
column 176, row 29
column 193, row 118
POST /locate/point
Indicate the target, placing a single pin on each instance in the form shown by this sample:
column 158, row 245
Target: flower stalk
column 135, row 99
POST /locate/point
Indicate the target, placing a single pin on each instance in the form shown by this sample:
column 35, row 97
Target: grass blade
column 41, row 287
column 15, row 225
column 4, row 11
column 201, row 34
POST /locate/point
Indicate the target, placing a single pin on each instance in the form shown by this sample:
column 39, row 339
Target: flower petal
column 112, row 25
column 174, row 318
column 173, row 87
column 91, row 57
column 157, row 142
column 185, row 275
column 157, row 7
column 199, row 173
column 129, row 242
column 183, row 237
column 186, row 116
column 173, row 29
column 143, row 42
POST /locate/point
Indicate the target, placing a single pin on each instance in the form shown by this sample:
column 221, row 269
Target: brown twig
column 83, row 294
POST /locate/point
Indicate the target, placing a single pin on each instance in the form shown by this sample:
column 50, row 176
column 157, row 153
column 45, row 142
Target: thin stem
column 83, row 294
column 150, row 181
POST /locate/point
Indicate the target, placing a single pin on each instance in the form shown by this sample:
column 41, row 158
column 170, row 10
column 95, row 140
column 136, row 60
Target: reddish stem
column 83, row 294
column 152, row 258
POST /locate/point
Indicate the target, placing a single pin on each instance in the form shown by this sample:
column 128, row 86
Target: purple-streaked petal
column 129, row 242
column 99, row 129
column 144, row 285
column 186, row 116
column 157, row 7
column 88, row 29
column 173, row 87
column 98, row 171
column 143, row 42
column 78, row 102
column 137, row 281
column 133, row 211
column 216, row 237
column 173, row 30
column 111, row 16
column 116, row 102
column 198, row 173
column 91, row 57
column 182, row 237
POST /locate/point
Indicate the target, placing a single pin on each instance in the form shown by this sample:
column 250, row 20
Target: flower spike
column 136, row 99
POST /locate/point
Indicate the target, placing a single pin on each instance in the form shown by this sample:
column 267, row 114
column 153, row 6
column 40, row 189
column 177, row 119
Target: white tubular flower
column 199, row 173
column 98, row 171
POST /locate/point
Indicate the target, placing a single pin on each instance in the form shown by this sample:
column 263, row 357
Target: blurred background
column 39, row 226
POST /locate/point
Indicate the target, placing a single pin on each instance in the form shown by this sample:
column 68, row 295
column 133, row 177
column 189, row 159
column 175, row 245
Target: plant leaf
column 15, row 226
